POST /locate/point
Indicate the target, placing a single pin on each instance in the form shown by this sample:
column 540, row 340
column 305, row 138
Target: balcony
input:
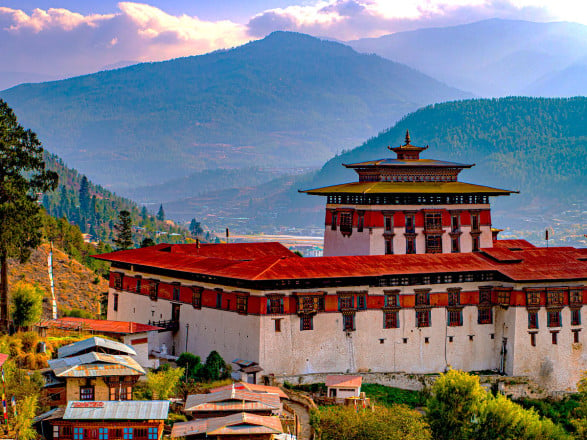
column 167, row 325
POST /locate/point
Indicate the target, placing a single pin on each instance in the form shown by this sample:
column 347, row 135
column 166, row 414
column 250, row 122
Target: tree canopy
column 27, row 304
column 124, row 228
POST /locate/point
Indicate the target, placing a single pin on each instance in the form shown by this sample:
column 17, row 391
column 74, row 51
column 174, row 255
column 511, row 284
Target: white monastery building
column 413, row 280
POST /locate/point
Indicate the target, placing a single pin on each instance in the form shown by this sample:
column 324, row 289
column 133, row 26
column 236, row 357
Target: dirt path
column 304, row 418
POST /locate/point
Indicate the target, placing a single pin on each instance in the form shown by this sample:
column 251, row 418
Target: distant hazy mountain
column 571, row 81
column 287, row 100
column 489, row 58
column 535, row 145
column 11, row 79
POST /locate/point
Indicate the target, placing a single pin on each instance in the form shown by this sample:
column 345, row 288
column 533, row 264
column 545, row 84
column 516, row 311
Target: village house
column 228, row 401
column 343, row 386
column 105, row 420
column 239, row 426
column 414, row 280
column 89, row 370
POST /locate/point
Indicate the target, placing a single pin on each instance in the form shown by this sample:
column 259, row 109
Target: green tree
column 84, row 196
column 161, row 213
column 215, row 367
column 26, row 411
column 148, row 241
column 455, row 401
column 124, row 229
column 196, row 228
column 191, row 363
column 22, row 177
column 162, row 384
column 345, row 423
column 27, row 304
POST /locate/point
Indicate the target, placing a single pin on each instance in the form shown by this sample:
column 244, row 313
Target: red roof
column 3, row 358
column 343, row 381
column 517, row 259
column 99, row 325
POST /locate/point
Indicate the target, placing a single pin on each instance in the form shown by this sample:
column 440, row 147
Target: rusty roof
column 233, row 399
column 243, row 424
column 530, row 264
column 95, row 364
column 254, row 388
column 94, row 342
column 99, row 325
column 343, row 381
column 408, row 188
column 117, row 410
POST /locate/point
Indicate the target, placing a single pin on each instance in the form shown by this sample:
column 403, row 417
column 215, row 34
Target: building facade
column 377, row 303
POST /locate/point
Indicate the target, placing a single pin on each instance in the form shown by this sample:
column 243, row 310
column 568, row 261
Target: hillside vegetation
column 287, row 100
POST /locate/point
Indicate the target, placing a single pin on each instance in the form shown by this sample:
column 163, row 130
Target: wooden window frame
column 391, row 319
column 434, row 243
column 455, row 318
column 554, row 318
column 346, row 223
column 422, row 297
column 176, row 292
column 115, row 302
column 554, row 297
column 154, row 290
column 242, row 303
column 454, row 297
column 533, row 297
column 576, row 296
column 85, row 388
column 423, row 318
column 533, row 322
column 197, row 297
column 348, row 322
column 118, row 280
column 485, row 315
column 306, row 322
column 275, row 305
column 576, row 316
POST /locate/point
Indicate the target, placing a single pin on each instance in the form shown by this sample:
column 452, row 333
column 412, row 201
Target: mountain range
column 493, row 58
column 287, row 100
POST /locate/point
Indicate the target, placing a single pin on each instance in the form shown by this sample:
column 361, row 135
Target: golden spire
column 407, row 137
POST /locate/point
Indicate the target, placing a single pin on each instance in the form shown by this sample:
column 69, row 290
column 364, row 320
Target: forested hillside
column 285, row 101
column 95, row 210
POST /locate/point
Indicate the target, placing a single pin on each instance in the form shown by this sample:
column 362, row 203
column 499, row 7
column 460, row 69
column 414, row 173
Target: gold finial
column 407, row 137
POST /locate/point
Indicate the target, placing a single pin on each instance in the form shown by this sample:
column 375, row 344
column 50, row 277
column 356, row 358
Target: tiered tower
column 407, row 205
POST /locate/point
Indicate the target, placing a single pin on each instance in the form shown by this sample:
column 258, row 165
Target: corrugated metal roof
column 254, row 388
column 95, row 364
column 234, row 424
column 94, row 342
column 342, row 380
column 233, row 399
column 117, row 410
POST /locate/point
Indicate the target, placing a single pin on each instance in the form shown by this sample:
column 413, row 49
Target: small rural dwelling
column 95, row 344
column 91, row 376
column 343, row 386
column 229, row 401
column 238, row 426
column 253, row 388
column 125, row 420
column 143, row 338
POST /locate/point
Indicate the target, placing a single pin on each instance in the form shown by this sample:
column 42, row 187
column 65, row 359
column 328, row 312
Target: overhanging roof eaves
column 408, row 163
column 117, row 410
column 94, row 342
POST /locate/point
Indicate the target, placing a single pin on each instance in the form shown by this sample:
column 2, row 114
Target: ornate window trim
column 197, row 297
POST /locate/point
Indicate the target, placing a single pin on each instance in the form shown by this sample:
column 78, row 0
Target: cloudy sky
column 69, row 37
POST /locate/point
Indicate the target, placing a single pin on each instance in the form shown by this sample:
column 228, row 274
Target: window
column 388, row 246
column 422, row 299
column 475, row 222
column 575, row 316
column 103, row 433
column 554, row 297
column 277, row 325
column 390, row 320
column 78, row 433
column 503, row 296
column 475, row 244
column 410, row 223
column 410, row 245
column 361, row 222
column 533, row 339
column 391, row 300
column 433, row 244
column 455, row 318
column 55, row 431
column 485, row 315
column 154, row 291
column 346, row 302
column 532, row 319
column 348, row 322
column 346, row 223
column 576, row 297
column 118, row 277
column 576, row 336
column 423, row 318
column 218, row 300
column 275, row 305
column 454, row 223
column 554, row 336
column 454, row 297
column 361, row 302
column 333, row 224
column 533, row 298
column 120, row 392
column 115, row 302
column 388, row 223
column 455, row 244
column 241, row 304
column 153, row 434
column 176, row 290
column 306, row 322
column 197, row 297
column 433, row 221
column 138, row 288
column 485, row 295
column 554, row 319
column 127, row 433
column 86, row 393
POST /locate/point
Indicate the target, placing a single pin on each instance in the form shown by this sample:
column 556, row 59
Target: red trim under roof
column 516, row 259
column 99, row 325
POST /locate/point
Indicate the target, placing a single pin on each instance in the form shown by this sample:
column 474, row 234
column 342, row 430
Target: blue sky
column 59, row 38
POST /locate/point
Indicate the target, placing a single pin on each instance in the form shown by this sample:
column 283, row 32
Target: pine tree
column 22, row 177
column 161, row 213
column 84, row 197
column 124, row 228
column 195, row 227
